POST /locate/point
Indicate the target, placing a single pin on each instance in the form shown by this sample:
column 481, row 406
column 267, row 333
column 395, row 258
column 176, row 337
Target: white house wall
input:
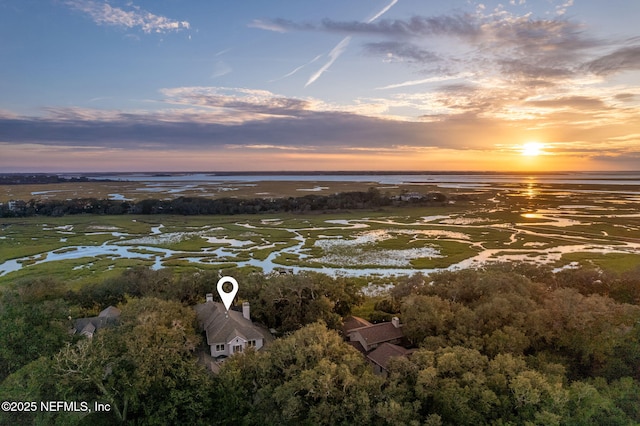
column 228, row 347
column 237, row 341
column 215, row 353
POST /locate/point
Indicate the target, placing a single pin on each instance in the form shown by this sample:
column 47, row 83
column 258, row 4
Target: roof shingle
column 352, row 323
column 384, row 352
column 221, row 326
column 378, row 333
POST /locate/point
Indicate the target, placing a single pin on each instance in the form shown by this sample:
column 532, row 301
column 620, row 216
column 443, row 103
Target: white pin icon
column 227, row 298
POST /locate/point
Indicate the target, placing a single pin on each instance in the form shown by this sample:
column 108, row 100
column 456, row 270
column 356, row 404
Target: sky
column 194, row 85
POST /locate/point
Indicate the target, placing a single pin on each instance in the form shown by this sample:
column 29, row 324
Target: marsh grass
column 618, row 262
column 262, row 254
column 191, row 243
column 452, row 251
column 76, row 272
column 18, row 249
column 483, row 223
column 215, row 264
column 290, row 259
column 143, row 251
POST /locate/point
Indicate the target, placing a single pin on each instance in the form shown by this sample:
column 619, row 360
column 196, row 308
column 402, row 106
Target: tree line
column 507, row 344
column 355, row 200
column 25, row 179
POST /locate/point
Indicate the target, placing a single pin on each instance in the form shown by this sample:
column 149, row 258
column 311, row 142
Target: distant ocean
column 384, row 178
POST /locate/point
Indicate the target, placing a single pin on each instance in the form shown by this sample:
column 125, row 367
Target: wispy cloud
column 521, row 48
column 268, row 26
column 623, row 59
column 561, row 9
column 401, row 51
column 333, row 56
column 220, row 68
column 270, row 147
column 296, row 69
column 279, row 25
column 426, row 80
column 283, row 25
column 245, row 100
column 342, row 46
column 572, row 102
column 102, row 13
column 383, row 11
column 465, row 25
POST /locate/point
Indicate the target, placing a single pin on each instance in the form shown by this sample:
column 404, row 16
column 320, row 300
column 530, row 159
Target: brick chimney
column 209, row 297
column 246, row 310
column 395, row 321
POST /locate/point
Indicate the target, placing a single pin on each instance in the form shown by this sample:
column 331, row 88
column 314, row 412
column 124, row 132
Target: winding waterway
column 551, row 230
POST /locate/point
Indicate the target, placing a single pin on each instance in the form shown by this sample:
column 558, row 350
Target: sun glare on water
column 532, row 149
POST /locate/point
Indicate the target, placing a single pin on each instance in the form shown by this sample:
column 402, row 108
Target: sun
column 532, row 149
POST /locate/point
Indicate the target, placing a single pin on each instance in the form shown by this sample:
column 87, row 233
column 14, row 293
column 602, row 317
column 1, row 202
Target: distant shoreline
column 411, row 177
column 321, row 173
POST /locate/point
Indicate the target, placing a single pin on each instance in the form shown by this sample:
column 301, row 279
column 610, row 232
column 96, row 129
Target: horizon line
column 312, row 172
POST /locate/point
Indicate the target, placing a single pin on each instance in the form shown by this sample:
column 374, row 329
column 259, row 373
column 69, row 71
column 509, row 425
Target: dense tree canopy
column 143, row 367
column 286, row 302
column 33, row 322
column 509, row 344
column 309, row 377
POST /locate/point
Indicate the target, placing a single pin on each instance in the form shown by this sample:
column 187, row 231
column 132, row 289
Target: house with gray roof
column 229, row 331
column 379, row 357
column 377, row 342
column 90, row 325
column 373, row 335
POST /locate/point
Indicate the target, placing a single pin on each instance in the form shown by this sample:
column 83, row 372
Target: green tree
column 309, row 377
column 33, row 322
column 287, row 302
column 144, row 367
column 589, row 330
column 35, row 381
column 426, row 316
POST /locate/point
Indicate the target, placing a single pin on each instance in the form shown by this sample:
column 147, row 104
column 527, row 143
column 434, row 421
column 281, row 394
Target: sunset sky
column 169, row 85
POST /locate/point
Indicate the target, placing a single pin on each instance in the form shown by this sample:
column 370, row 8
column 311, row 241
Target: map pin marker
column 227, row 298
